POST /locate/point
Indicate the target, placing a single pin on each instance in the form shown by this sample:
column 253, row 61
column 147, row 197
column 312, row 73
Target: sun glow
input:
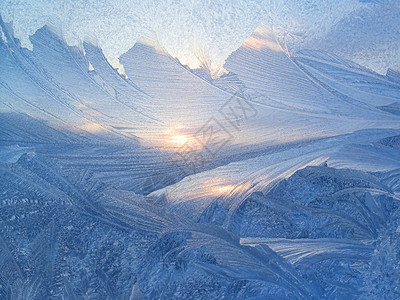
column 179, row 140
column 178, row 136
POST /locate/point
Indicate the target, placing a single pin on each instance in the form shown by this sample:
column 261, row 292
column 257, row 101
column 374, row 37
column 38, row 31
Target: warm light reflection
column 217, row 187
column 224, row 188
column 92, row 127
column 262, row 38
column 177, row 136
column 179, row 140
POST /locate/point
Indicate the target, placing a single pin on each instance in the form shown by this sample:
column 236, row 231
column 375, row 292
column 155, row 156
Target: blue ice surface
column 113, row 187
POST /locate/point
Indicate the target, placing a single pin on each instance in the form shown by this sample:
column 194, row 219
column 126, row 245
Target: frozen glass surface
column 200, row 149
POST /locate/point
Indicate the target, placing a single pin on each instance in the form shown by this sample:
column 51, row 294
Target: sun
column 179, row 140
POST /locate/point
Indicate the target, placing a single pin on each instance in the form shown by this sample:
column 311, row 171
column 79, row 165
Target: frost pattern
column 301, row 202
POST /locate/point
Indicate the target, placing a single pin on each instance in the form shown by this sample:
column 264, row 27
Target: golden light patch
column 179, row 140
column 223, row 189
column 177, row 136
column 262, row 39
column 217, row 187
column 92, row 127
